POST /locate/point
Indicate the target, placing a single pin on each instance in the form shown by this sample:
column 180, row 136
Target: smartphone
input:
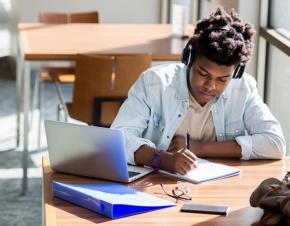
column 209, row 209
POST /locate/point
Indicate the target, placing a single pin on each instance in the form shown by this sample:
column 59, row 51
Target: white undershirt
column 198, row 122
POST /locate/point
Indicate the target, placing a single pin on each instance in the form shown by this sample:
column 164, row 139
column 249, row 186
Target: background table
column 233, row 192
column 62, row 42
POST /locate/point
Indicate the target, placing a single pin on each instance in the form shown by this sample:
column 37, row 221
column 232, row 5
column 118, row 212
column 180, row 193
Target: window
column 278, row 88
column 275, row 36
column 186, row 3
column 279, row 14
column 205, row 8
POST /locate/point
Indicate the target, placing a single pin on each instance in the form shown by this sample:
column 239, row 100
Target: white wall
column 112, row 11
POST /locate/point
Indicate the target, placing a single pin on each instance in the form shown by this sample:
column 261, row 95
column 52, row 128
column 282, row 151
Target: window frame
column 268, row 36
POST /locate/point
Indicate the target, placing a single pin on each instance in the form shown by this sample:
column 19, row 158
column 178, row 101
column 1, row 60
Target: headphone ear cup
column 236, row 71
column 191, row 57
column 186, row 54
column 239, row 71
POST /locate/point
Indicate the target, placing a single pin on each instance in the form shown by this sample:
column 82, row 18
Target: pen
column 187, row 140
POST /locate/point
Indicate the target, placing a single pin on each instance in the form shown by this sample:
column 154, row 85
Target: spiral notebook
column 206, row 171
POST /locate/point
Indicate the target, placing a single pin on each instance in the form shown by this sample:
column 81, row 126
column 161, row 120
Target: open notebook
column 206, row 171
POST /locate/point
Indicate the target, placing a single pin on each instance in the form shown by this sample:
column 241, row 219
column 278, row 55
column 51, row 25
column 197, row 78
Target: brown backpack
column 273, row 196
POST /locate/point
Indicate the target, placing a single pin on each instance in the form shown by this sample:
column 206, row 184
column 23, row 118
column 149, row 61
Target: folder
column 206, row 171
column 110, row 200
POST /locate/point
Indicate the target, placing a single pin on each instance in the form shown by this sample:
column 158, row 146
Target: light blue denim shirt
column 158, row 102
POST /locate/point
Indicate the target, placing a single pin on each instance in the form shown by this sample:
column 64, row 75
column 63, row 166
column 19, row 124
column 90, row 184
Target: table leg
column 26, row 106
column 19, row 83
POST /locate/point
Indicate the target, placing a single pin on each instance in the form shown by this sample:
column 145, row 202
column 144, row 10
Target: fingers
column 185, row 161
column 191, row 156
column 173, row 148
column 181, row 170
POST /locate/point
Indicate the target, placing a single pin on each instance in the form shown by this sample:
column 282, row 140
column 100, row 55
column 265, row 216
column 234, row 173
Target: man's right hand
column 180, row 162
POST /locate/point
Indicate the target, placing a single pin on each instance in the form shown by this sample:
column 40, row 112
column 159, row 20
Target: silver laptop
column 90, row 151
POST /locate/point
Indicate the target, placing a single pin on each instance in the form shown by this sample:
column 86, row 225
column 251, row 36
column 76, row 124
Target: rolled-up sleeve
column 132, row 119
column 265, row 138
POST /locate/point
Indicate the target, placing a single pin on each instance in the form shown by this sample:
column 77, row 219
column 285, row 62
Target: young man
column 208, row 97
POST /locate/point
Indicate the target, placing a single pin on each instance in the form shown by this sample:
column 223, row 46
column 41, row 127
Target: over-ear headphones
column 188, row 57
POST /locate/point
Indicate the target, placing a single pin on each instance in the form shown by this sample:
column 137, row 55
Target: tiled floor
column 16, row 209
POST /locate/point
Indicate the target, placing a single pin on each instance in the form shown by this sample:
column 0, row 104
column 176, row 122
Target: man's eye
column 203, row 74
column 223, row 80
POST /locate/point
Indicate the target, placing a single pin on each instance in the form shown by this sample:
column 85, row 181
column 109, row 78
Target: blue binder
column 111, row 200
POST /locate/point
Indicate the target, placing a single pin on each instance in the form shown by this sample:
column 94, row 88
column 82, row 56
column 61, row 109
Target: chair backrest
column 104, row 81
column 85, row 17
column 62, row 18
column 53, row 18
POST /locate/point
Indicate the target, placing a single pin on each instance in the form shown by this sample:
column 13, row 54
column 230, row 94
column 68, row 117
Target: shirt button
column 215, row 111
column 179, row 115
column 220, row 135
column 167, row 137
column 236, row 130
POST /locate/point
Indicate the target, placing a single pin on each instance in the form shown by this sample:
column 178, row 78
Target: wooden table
column 43, row 42
column 64, row 41
column 233, row 192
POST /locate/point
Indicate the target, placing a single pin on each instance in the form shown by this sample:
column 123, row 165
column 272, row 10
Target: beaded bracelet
column 156, row 156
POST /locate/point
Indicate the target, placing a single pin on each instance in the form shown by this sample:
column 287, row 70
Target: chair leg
column 59, row 110
column 61, row 106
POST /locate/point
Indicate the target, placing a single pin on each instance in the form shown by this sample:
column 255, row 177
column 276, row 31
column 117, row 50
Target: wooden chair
column 64, row 74
column 63, row 18
column 101, row 85
column 87, row 17
column 53, row 18
column 59, row 74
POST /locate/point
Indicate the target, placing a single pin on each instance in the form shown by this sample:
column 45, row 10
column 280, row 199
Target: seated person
column 208, row 96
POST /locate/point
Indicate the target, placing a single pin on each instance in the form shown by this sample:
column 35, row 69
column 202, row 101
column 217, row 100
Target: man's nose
column 210, row 84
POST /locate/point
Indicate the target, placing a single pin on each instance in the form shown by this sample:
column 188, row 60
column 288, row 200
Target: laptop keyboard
column 132, row 174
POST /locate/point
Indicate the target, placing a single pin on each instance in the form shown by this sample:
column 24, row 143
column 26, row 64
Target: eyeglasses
column 179, row 192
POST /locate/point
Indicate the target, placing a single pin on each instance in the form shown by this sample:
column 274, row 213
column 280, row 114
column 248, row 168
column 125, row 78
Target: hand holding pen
column 187, row 148
column 183, row 160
